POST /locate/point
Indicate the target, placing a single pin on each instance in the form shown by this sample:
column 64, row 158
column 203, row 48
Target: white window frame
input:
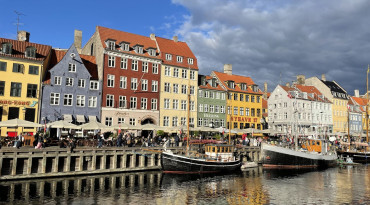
column 145, row 67
column 167, row 87
column 81, row 83
column 93, row 101
column 108, row 121
column 192, row 75
column 124, row 63
column 155, row 68
column 167, row 71
column 68, row 97
column 168, row 56
column 135, row 65
column 133, row 83
column 111, row 61
column 166, row 103
column 183, row 104
column 122, row 103
column 80, row 101
column 144, row 104
column 175, row 88
column 144, row 85
column 179, row 59
column 69, row 82
column 190, row 61
column 123, row 82
column 110, row 81
column 154, row 86
column 94, row 85
column 72, row 67
column 133, row 102
column 54, row 97
column 175, row 104
column 109, row 100
column 57, row 80
column 184, row 73
column 154, row 105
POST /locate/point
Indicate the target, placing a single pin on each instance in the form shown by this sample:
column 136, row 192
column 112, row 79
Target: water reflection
column 254, row 186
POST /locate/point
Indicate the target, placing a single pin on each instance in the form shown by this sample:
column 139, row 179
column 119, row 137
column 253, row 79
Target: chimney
column 175, row 38
column 23, row 36
column 357, row 93
column 323, row 77
column 265, row 87
column 301, row 79
column 228, row 69
column 78, row 40
column 152, row 36
column 287, row 84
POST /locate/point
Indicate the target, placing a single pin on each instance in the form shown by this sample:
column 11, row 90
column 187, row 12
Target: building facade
column 22, row 66
column 129, row 65
column 355, row 118
column 243, row 99
column 179, row 83
column 72, row 90
column 211, row 103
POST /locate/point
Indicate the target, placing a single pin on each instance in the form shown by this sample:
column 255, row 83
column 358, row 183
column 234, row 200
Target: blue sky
column 53, row 22
column 269, row 41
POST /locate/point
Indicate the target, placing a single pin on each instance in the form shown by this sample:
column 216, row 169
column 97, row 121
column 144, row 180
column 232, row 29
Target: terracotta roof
column 57, row 56
column 309, row 90
column 209, row 87
column 264, row 103
column 360, row 101
column 19, row 48
column 223, row 77
column 178, row 48
column 132, row 39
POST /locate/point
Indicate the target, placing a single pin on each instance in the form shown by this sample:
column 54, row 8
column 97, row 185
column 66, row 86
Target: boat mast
column 230, row 116
column 349, row 138
column 367, row 106
column 188, row 116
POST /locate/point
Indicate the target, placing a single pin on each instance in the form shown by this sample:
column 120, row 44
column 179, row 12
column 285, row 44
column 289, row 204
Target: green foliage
column 160, row 133
column 217, row 136
column 196, row 133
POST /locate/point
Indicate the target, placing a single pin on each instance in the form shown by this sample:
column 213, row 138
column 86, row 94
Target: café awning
column 67, row 118
column 92, row 118
column 80, row 118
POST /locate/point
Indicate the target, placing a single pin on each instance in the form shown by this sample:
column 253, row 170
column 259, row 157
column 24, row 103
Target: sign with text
column 14, row 102
column 243, row 119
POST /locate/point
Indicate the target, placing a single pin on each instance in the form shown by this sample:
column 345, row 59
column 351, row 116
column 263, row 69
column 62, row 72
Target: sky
column 271, row 41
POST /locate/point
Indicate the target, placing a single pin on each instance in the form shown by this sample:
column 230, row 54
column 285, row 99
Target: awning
column 80, row 118
column 92, row 118
column 68, row 118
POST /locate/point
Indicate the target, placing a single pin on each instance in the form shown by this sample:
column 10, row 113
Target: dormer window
column 125, row 46
column 190, row 61
column 111, row 44
column 179, row 59
column 231, row 84
column 139, row 49
column 255, row 88
column 304, row 95
column 30, row 52
column 213, row 82
column 6, row 48
column 168, row 57
column 151, row 52
column 243, row 86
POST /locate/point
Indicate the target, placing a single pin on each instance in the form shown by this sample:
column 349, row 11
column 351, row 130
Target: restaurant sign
column 14, row 102
column 243, row 119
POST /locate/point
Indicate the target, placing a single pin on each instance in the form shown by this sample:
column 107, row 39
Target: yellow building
column 244, row 100
column 22, row 67
column 179, row 80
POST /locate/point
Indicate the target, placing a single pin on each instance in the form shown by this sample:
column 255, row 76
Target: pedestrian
column 100, row 141
column 72, row 144
column 39, row 142
column 119, row 140
column 177, row 140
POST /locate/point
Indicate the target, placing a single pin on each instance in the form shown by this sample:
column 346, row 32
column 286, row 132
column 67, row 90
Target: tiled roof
column 224, row 77
column 209, row 87
column 57, row 56
column 264, row 103
column 19, row 48
column 133, row 39
column 360, row 101
column 178, row 48
column 309, row 90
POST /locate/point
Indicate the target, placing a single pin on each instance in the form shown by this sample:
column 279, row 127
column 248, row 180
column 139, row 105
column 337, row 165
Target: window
column 183, row 104
column 217, row 109
column 2, row 88
column 166, row 103
column 241, row 97
column 192, row 75
column 246, row 98
column 80, row 101
column 134, row 65
column 68, row 99
column 200, row 95
column 190, row 61
column 154, row 104
column 2, row 66
column 175, row 72
column 211, row 94
column 133, row 102
column 69, row 81
column 183, row 89
column 122, row 102
column 111, row 45
column 235, row 96
column 184, row 73
column 200, row 122
column 179, row 59
column 200, row 108
column 81, row 83
column 206, row 94
column 222, row 109
column 191, row 90
column 34, row 70
column 111, row 61
column 144, row 85
column 252, row 112
column 110, row 101
column 126, row 47
column 228, row 110
column 166, row 120
column 133, row 83
column 110, row 80
column 167, row 87
column 154, row 86
column 175, row 104
column 132, row 121
column 144, row 103
column 7, row 48
column 235, row 110
column 175, row 88
column 168, row 56
column 57, row 80
column 15, row 89
column 139, row 49
column 92, row 49
column 18, row 68
column 71, row 67
column 32, row 90
column 54, row 98
column 94, row 85
column 252, row 98
column 167, row 71
column 121, row 120
column 145, row 67
column 205, row 108
column 258, row 99
column 183, row 121
column 223, row 96
column 108, row 121
column 124, row 63
column 151, row 52
column 155, row 68
column 241, row 111
column 174, row 121
column 93, row 101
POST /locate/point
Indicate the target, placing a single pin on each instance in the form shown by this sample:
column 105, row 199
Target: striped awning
column 80, row 118
column 92, row 118
column 68, row 118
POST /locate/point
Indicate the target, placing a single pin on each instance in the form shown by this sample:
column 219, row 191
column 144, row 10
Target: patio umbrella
column 250, row 130
column 19, row 123
column 122, row 126
column 149, row 127
column 62, row 124
column 93, row 125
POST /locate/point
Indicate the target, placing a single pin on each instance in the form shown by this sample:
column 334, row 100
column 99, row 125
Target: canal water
column 347, row 185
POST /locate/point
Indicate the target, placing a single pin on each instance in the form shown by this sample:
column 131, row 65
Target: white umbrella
column 149, row 127
column 62, row 124
column 123, row 126
column 93, row 125
column 250, row 130
column 19, row 123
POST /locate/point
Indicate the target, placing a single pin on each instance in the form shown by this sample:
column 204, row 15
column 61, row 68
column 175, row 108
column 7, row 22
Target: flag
column 223, row 131
column 289, row 96
column 119, row 129
column 44, row 126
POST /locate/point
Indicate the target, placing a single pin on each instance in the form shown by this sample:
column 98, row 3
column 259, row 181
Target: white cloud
column 265, row 38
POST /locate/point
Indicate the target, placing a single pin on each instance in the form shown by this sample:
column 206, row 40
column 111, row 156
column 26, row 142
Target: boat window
column 213, row 149
column 318, row 143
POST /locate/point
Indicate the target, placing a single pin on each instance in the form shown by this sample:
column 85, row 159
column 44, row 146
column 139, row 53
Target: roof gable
column 19, row 49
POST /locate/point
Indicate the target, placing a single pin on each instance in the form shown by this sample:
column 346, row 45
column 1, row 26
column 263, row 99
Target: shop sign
column 14, row 102
column 243, row 119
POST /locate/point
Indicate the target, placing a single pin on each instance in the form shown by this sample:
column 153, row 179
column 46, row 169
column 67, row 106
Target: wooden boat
column 313, row 154
column 218, row 158
column 357, row 157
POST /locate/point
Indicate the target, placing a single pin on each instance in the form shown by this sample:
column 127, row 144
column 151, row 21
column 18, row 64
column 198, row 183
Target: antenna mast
column 18, row 14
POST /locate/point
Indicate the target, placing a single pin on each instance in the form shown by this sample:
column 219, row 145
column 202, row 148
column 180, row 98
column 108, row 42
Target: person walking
column 119, row 140
column 100, row 141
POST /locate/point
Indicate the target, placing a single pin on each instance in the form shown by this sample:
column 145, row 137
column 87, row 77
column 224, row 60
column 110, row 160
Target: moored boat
column 357, row 157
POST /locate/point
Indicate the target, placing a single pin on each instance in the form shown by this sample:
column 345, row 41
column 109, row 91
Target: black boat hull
column 278, row 157
column 172, row 163
column 358, row 157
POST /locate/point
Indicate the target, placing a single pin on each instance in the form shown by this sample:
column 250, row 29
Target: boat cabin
column 315, row 145
column 220, row 152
